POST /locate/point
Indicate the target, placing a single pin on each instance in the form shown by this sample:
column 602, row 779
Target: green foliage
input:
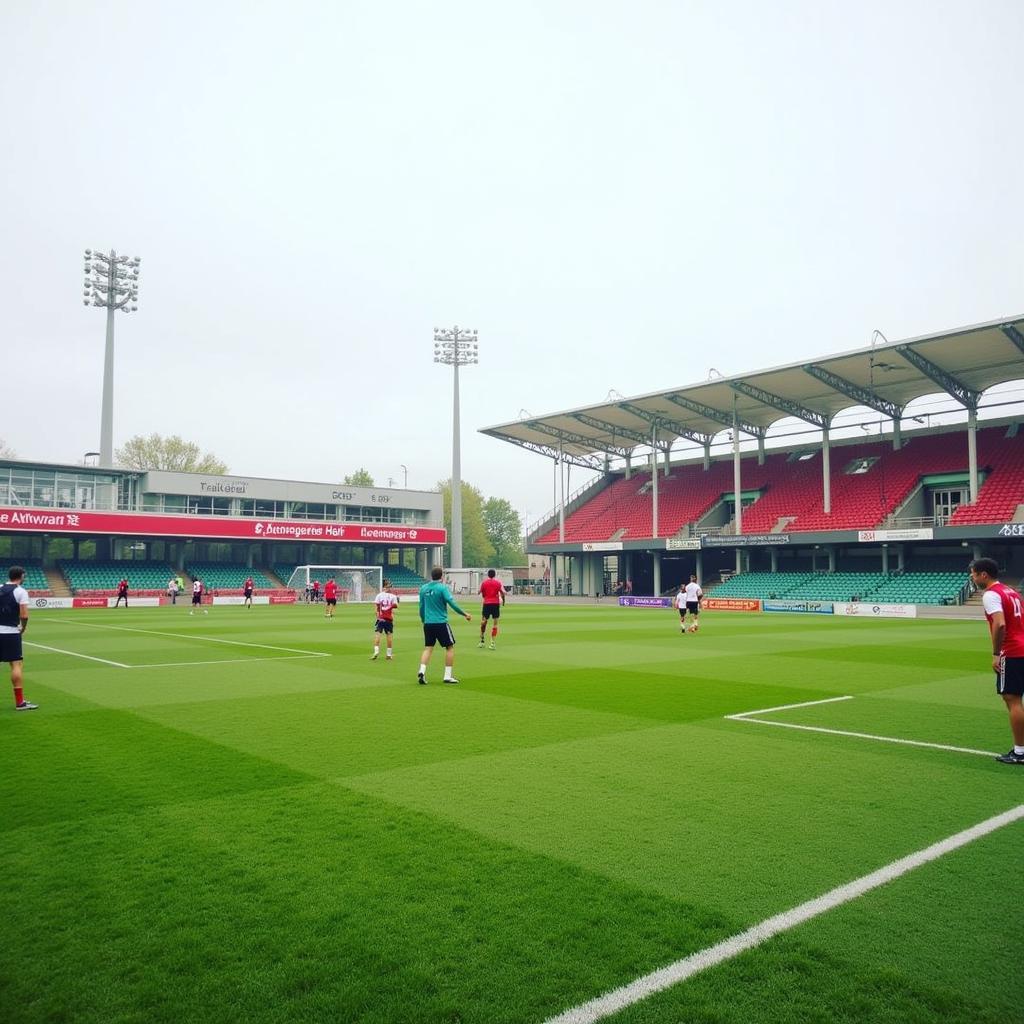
column 477, row 549
column 504, row 531
column 170, row 453
column 360, row 478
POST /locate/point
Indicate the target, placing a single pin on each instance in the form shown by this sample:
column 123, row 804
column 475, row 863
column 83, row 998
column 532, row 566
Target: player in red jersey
column 330, row 597
column 122, row 593
column 1002, row 606
column 247, row 593
column 386, row 602
column 493, row 592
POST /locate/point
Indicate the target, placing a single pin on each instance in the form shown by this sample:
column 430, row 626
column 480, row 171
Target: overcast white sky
column 616, row 195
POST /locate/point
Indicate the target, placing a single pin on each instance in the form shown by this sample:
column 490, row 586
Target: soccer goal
column 356, row 583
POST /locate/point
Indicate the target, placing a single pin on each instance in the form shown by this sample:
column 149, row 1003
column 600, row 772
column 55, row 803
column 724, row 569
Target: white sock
column 376, row 648
column 1018, row 750
column 389, row 654
column 447, row 671
column 423, row 668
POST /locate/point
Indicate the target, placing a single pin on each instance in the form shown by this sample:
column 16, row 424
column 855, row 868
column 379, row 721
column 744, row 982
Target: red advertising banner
column 730, row 604
column 145, row 524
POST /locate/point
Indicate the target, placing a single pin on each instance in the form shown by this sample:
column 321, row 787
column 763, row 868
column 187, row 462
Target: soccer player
column 330, row 597
column 435, row 600
column 693, row 595
column 122, row 592
column 172, row 590
column 386, row 602
column 1002, row 606
column 680, row 603
column 247, row 592
column 491, row 590
column 13, row 623
column 197, row 594
column 316, row 591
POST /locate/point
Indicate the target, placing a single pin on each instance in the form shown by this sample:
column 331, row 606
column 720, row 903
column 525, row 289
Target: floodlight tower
column 111, row 281
column 455, row 348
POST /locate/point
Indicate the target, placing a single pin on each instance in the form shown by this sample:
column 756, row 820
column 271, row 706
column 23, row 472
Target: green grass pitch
column 225, row 832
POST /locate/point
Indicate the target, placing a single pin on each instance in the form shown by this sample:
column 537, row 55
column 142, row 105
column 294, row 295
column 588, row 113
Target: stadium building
column 80, row 529
column 871, row 475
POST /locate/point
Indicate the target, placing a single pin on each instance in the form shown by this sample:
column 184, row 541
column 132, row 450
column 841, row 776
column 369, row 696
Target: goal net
column 356, row 583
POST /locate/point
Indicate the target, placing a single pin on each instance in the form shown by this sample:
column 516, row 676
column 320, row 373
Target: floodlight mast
column 112, row 282
column 456, row 347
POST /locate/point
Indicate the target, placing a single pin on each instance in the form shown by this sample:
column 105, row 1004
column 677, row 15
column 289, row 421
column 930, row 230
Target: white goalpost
column 356, row 583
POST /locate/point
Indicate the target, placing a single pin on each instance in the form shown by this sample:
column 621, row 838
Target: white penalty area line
column 748, row 716
column 204, row 639
column 658, row 981
column 75, row 654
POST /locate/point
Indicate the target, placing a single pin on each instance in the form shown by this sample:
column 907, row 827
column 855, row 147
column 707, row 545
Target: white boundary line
column 204, row 639
column 658, row 981
column 227, row 661
column 746, row 716
column 88, row 657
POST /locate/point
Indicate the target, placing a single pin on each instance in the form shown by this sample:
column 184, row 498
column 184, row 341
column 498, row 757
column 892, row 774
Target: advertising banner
column 241, row 600
column 145, row 524
column 730, row 604
column 646, row 602
column 812, row 607
column 50, row 602
column 744, row 540
column 682, row 544
column 282, row 598
column 878, row 611
column 873, row 536
column 1011, row 530
column 603, row 545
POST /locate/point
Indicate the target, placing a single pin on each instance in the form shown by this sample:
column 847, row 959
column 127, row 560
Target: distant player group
column 1002, row 606
column 434, row 601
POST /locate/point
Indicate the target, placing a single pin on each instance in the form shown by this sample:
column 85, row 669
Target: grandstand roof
column 885, row 377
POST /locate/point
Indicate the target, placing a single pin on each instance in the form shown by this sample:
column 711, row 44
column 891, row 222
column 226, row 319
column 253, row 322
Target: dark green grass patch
column 323, row 840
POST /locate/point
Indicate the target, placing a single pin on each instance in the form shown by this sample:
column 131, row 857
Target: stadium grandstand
column 861, row 476
column 79, row 530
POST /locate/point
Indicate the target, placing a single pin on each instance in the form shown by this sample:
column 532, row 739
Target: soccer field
column 239, row 817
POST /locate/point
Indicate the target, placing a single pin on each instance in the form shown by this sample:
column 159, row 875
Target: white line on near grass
column 226, row 661
column 192, row 636
column 75, row 654
column 658, row 981
column 747, row 716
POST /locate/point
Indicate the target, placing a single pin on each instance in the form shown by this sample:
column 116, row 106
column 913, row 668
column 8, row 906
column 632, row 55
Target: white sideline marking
column 75, row 654
column 787, row 707
column 226, row 661
column 205, row 639
column 746, row 716
column 659, row 980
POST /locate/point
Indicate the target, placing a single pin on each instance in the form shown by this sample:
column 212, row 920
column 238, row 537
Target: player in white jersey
column 693, row 594
column 386, row 603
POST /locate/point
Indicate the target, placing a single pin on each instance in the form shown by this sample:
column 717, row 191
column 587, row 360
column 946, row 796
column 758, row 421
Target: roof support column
column 707, row 454
column 760, row 449
column 561, row 501
column 737, row 483
column 826, row 472
column 654, row 481
column 629, row 465
column 897, row 436
column 972, row 449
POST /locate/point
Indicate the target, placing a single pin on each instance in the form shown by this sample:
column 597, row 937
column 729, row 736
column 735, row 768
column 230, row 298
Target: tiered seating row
column 106, row 575
column 893, row 588
column 227, row 576
column 791, row 489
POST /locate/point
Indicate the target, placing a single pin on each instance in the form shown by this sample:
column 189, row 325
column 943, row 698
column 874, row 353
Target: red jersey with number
column 331, row 590
column 1010, row 601
column 492, row 589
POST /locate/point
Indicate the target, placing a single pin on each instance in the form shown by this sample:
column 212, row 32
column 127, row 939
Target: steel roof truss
column 586, row 442
column 785, row 405
column 966, row 396
column 1014, row 335
column 717, row 415
column 862, row 396
column 612, row 428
